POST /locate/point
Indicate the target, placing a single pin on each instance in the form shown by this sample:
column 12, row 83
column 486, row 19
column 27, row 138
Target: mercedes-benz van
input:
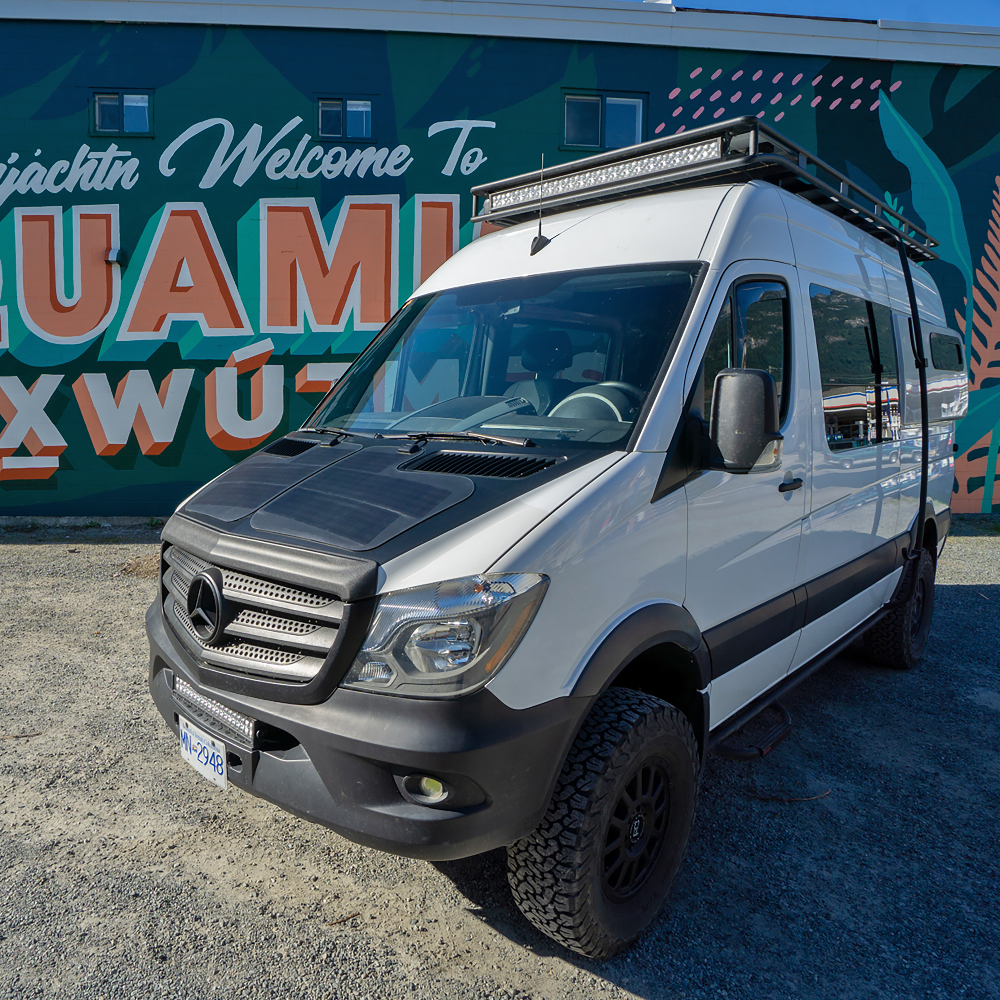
column 613, row 479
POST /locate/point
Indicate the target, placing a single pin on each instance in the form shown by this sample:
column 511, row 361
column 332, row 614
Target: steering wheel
column 626, row 387
column 588, row 395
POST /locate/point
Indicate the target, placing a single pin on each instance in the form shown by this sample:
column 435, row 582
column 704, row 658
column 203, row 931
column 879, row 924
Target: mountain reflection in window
column 858, row 370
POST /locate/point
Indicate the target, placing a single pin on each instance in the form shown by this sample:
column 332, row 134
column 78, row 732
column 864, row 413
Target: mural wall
column 173, row 297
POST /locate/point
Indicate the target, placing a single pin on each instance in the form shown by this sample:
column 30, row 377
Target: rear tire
column 597, row 869
column 898, row 640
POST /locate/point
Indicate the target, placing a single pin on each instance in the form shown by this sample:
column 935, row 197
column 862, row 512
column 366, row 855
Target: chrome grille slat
column 262, row 621
column 278, row 631
column 308, row 636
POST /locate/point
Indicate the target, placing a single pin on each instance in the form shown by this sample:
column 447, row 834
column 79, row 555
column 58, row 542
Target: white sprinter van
column 588, row 503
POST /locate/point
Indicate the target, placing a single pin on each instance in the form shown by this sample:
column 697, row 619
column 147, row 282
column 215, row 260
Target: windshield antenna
column 539, row 242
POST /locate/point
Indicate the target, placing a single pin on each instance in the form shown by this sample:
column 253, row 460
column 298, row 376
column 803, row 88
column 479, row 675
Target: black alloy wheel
column 636, row 831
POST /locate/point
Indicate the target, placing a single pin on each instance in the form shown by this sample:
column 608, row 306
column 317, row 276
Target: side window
column 752, row 331
column 946, row 353
column 718, row 355
column 762, row 330
column 857, row 367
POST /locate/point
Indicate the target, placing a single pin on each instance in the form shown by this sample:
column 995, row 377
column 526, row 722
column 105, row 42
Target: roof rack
column 733, row 151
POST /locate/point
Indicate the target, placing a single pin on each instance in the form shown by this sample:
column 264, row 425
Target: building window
column 331, row 119
column 600, row 121
column 335, row 124
column 122, row 113
column 857, row 369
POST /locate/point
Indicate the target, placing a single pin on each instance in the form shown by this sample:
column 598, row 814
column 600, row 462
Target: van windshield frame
column 567, row 359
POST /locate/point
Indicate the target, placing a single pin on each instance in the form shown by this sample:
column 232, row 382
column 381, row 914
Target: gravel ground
column 858, row 860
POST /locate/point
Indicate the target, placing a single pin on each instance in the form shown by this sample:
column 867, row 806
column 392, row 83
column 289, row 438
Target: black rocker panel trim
column 778, row 690
column 829, row 591
column 737, row 640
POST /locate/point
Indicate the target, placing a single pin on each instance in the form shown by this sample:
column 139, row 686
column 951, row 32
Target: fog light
column 430, row 787
column 424, row 789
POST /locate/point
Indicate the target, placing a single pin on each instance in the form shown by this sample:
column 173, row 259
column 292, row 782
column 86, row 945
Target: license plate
column 204, row 753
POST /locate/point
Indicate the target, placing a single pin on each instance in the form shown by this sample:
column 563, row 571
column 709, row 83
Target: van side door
column 744, row 529
column 848, row 548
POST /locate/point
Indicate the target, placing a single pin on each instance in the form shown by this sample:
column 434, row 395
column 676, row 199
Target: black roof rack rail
column 733, row 151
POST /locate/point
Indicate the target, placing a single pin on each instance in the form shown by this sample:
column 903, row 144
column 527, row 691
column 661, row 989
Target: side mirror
column 744, row 419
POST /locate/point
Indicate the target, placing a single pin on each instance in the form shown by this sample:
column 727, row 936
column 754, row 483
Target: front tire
column 899, row 639
column 600, row 864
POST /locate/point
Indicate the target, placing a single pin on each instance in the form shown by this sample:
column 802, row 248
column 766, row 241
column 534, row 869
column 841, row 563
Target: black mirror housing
column 744, row 418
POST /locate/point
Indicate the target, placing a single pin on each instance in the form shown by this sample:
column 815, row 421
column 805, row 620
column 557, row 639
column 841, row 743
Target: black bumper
column 342, row 762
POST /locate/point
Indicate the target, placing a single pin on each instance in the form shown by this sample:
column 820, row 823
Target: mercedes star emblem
column 205, row 606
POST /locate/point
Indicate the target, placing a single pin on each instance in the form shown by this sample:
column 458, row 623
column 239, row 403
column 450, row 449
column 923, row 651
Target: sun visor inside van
column 361, row 502
column 263, row 476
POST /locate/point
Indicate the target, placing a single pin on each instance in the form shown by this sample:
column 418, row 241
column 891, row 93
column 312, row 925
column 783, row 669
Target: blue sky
column 985, row 12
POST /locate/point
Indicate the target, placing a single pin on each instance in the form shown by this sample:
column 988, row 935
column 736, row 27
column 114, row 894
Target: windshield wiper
column 417, row 436
column 336, row 430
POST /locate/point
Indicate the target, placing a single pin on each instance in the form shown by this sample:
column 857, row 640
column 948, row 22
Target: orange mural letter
column 304, row 274
column 41, row 272
column 185, row 277
column 436, row 233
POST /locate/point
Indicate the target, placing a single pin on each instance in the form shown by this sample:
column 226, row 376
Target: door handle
column 793, row 484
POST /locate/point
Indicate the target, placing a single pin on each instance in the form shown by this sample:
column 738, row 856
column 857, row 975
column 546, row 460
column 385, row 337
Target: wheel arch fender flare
column 646, row 627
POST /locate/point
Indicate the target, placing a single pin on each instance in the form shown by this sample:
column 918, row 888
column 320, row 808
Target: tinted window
column 946, row 353
column 857, row 367
column 567, row 357
column 751, row 332
column 583, row 121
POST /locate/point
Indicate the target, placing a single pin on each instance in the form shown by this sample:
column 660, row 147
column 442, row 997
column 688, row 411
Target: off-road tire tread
column 887, row 641
column 546, row 870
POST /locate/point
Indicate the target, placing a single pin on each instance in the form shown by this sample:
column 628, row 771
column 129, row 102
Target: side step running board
column 763, row 746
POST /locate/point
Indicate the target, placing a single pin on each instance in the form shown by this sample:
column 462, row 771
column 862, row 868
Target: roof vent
column 289, row 447
column 467, row 463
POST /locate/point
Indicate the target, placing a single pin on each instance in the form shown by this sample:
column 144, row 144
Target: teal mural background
column 925, row 137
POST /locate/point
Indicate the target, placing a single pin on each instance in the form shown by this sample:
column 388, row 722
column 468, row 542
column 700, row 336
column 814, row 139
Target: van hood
column 365, row 497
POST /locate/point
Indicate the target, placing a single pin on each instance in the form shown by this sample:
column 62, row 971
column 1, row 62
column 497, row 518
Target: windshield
column 566, row 357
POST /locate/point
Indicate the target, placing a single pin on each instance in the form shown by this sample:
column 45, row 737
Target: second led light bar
column 596, row 177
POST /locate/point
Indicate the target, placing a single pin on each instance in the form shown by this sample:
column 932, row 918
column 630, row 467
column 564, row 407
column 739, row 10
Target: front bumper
column 342, row 762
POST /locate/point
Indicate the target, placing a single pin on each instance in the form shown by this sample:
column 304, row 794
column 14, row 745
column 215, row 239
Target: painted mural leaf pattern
column 984, row 353
column 933, row 192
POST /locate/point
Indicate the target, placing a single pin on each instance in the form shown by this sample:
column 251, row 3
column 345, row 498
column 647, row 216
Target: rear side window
column 946, row 353
column 857, row 368
column 752, row 331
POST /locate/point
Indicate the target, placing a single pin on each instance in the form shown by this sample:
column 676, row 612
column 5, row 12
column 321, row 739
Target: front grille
column 275, row 630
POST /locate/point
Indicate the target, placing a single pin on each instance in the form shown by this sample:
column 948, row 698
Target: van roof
column 719, row 224
column 739, row 149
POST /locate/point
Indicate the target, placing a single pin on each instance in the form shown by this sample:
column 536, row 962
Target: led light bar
column 728, row 152
column 234, row 720
column 626, row 170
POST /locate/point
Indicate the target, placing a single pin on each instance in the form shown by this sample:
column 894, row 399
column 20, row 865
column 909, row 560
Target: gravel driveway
column 123, row 874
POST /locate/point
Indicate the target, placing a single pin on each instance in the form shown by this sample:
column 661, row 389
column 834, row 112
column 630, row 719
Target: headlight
column 448, row 638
